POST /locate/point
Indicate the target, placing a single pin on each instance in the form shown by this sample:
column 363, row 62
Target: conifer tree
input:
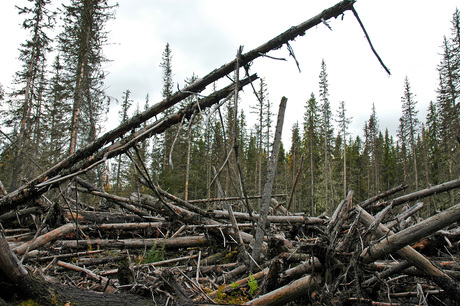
column 26, row 105
column 293, row 159
column 388, row 162
column 311, row 144
column 57, row 112
column 343, row 122
column 327, row 132
column 81, row 45
column 122, row 172
column 448, row 100
column 410, row 125
column 371, row 151
column 262, row 112
column 432, row 139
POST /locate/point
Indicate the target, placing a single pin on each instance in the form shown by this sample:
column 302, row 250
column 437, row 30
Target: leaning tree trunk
column 260, row 232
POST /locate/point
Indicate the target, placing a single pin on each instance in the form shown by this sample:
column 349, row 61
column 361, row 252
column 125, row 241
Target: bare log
column 309, row 265
column 288, row 293
column 26, row 286
column 382, row 195
column 86, row 217
column 43, row 239
column 412, row 234
column 9, row 263
column 16, row 214
column 422, row 193
column 421, row 262
column 104, row 281
column 175, row 212
column 172, row 243
column 231, row 199
column 272, row 219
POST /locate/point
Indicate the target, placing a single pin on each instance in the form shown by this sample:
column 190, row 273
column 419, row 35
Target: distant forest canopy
column 59, row 105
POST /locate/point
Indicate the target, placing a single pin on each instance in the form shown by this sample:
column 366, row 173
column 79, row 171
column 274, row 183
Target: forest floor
column 378, row 252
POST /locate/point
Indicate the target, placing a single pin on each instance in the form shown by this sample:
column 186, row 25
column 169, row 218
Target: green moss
column 29, row 303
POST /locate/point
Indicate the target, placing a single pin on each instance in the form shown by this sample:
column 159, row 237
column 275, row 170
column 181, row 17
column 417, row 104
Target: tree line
column 57, row 108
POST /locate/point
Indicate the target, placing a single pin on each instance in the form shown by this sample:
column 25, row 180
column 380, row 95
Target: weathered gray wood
column 288, row 293
column 45, row 238
column 9, row 263
column 443, row 280
column 223, row 214
column 423, row 193
column 178, row 242
column 83, row 159
column 267, row 194
column 412, row 234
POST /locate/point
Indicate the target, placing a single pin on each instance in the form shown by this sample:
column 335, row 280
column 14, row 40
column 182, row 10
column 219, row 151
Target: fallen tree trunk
column 421, row 193
column 17, row 281
column 85, row 217
column 170, row 243
column 223, row 214
column 421, row 262
column 43, row 239
column 412, row 234
column 295, row 290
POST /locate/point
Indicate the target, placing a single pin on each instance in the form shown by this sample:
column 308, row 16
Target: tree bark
column 422, row 193
column 261, row 226
column 412, row 234
column 43, row 239
column 171, row 243
column 270, row 218
column 421, row 262
column 288, row 293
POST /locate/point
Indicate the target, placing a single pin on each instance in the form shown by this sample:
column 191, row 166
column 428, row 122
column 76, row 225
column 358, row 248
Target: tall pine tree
column 26, row 106
column 410, row 126
column 81, row 45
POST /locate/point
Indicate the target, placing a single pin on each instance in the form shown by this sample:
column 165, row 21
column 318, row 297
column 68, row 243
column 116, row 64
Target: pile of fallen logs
column 159, row 249
column 166, row 250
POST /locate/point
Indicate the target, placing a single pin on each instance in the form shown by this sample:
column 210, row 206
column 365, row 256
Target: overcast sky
column 206, row 34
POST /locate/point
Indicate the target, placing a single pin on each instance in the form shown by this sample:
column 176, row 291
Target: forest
column 194, row 157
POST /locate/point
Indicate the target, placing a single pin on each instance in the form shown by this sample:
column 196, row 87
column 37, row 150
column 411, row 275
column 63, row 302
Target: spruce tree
column 372, row 152
column 122, row 172
column 293, row 159
column 311, row 151
column 448, row 100
column 410, row 125
column 344, row 122
column 81, row 45
column 388, row 178
column 432, row 139
column 57, row 112
column 327, row 132
column 26, row 105
column 262, row 128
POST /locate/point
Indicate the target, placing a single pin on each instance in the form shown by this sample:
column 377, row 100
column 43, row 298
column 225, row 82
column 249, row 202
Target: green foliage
column 29, row 303
column 234, row 285
column 253, row 285
column 155, row 254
